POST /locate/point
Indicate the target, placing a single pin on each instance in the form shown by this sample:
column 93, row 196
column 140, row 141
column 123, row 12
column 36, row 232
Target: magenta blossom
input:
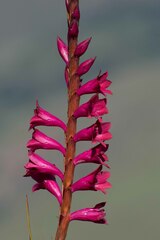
column 37, row 164
column 97, row 85
column 45, row 180
column 98, row 132
column 41, row 141
column 95, row 107
column 94, row 155
column 96, row 180
column 82, row 47
column 85, row 66
column 51, row 186
column 44, row 118
column 95, row 214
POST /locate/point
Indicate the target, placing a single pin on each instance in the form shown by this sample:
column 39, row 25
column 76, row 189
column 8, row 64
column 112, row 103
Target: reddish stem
column 73, row 103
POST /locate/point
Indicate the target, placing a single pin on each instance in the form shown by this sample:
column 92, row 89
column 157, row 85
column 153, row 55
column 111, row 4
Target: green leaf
column 28, row 219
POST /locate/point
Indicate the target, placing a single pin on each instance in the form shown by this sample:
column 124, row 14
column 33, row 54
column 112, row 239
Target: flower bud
column 82, row 47
column 73, row 29
column 63, row 49
column 85, row 66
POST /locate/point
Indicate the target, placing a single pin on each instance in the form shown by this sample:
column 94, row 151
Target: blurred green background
column 126, row 40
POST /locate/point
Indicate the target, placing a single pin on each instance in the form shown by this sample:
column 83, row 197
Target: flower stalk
column 73, row 104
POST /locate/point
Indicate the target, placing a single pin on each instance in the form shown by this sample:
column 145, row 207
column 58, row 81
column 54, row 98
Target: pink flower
column 44, row 118
column 45, row 180
column 63, row 49
column 95, row 214
column 82, row 47
column 51, row 186
column 93, row 155
column 95, row 107
column 85, row 66
column 41, row 141
column 97, row 85
column 98, row 132
column 38, row 165
column 96, row 180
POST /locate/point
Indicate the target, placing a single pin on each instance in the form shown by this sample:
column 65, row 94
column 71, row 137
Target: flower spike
column 95, row 214
column 85, row 66
column 46, row 173
column 41, row 141
column 82, row 47
column 97, row 85
column 95, row 107
column 63, row 49
column 96, row 180
column 44, row 118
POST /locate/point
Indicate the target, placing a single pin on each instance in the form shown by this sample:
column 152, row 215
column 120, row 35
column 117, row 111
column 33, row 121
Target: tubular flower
column 51, row 186
column 63, row 49
column 95, row 107
column 41, row 141
column 96, row 180
column 95, row 214
column 37, row 164
column 85, row 66
column 82, row 47
column 43, row 118
column 94, row 155
column 44, row 180
column 97, row 85
column 98, row 132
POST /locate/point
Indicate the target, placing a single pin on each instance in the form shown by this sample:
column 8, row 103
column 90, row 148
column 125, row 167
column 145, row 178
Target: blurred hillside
column 125, row 39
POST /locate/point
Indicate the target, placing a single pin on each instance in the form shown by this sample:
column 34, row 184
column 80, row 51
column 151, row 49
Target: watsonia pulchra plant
column 44, row 172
